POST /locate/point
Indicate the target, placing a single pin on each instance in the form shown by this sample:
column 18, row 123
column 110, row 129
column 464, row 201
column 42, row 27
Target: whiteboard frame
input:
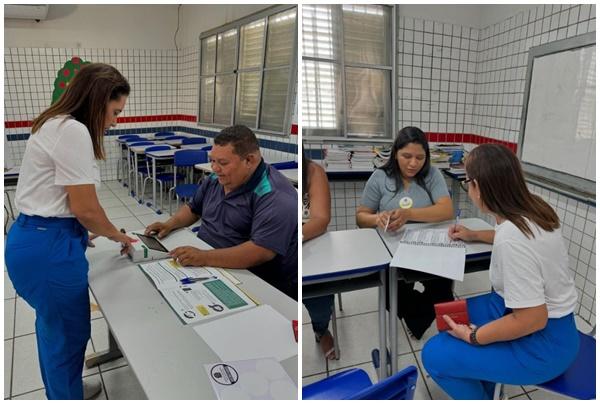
column 556, row 179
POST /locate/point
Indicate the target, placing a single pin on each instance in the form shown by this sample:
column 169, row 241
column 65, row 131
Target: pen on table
column 187, row 281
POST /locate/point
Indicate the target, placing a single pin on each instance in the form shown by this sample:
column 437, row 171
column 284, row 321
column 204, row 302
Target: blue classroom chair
column 207, row 148
column 130, row 157
column 186, row 159
column 120, row 165
column 161, row 176
column 285, row 165
column 354, row 384
column 579, row 381
column 164, row 134
column 193, row 140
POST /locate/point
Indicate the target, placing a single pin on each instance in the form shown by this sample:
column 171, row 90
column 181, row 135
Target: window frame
column 262, row 69
column 340, row 63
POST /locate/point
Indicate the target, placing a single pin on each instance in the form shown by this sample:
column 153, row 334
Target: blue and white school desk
column 166, row 356
column 477, row 259
column 340, row 261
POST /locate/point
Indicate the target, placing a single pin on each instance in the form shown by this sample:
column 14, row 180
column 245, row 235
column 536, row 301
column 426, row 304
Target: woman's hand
column 91, row 236
column 398, row 218
column 125, row 241
column 460, row 331
column 382, row 220
column 460, row 232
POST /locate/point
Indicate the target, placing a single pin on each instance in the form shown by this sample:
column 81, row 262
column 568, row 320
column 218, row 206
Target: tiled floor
column 22, row 379
column 357, row 333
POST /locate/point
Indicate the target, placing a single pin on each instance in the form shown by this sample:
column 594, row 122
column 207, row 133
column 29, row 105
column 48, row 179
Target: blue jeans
column 45, row 259
column 469, row 372
column 320, row 310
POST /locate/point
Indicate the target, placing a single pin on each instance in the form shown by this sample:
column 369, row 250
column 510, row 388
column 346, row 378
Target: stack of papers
column 382, row 155
column 362, row 157
column 337, row 158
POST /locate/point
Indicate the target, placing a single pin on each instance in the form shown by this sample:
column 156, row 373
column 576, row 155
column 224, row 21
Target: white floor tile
column 25, row 318
column 357, row 335
column 117, row 212
column 128, row 223
column 34, row 395
column 546, row 395
column 358, row 302
column 111, row 202
column 9, row 318
column 26, row 368
column 128, row 200
column 8, row 355
column 104, row 194
column 149, row 219
column 121, row 384
column 9, row 291
column 140, row 210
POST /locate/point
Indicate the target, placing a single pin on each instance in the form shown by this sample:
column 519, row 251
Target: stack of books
column 362, row 158
column 337, row 158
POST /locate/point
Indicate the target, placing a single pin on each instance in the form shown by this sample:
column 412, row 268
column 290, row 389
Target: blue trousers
column 320, row 310
column 469, row 372
column 45, row 259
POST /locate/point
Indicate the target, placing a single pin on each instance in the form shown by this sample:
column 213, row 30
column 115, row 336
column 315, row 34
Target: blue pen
column 187, row 281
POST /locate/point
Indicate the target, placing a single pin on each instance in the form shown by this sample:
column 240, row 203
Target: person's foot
column 91, row 389
column 327, row 345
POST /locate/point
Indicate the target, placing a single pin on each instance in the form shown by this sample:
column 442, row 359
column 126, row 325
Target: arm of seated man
column 245, row 255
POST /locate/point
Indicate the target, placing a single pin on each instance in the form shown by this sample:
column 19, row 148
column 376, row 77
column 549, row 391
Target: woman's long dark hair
column 409, row 134
column 503, row 190
column 305, row 162
column 85, row 100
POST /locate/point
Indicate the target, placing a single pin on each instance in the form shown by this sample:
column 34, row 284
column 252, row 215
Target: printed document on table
column 430, row 251
column 261, row 332
column 254, row 379
column 168, row 273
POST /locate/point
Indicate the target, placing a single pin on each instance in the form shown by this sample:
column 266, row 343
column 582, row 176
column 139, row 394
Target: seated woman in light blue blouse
column 408, row 189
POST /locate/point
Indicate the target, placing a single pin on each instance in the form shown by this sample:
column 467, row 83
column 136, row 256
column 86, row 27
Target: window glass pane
column 247, row 98
column 207, row 93
column 321, row 95
column 367, row 34
column 280, row 39
column 368, row 100
column 319, row 31
column 226, row 57
column 275, row 88
column 224, row 92
column 251, row 44
column 209, row 47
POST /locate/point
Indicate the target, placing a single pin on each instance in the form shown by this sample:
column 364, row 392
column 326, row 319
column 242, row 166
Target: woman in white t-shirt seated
column 524, row 331
column 57, row 200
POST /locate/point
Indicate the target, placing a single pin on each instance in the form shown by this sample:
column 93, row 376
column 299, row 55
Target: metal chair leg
column 336, row 345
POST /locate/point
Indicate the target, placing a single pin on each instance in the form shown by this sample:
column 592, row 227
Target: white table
column 477, row 256
column 347, row 254
column 166, row 356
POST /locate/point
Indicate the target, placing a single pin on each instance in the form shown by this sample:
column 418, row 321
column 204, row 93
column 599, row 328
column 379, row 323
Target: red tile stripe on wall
column 466, row 138
column 136, row 119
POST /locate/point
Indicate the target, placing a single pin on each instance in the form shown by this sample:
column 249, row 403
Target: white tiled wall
column 163, row 81
column 502, row 61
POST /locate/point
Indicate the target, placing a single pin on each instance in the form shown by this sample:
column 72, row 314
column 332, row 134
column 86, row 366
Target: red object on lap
column 456, row 310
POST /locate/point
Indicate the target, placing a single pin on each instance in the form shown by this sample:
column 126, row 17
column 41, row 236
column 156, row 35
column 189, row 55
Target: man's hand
column 188, row 256
column 160, row 229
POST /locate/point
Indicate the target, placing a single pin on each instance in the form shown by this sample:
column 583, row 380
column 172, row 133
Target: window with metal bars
column 348, row 71
column 247, row 72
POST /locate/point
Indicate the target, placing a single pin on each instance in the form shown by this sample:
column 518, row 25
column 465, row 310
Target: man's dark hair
column 240, row 137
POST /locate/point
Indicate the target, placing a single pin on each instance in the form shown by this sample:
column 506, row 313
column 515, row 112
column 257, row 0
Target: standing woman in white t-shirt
column 524, row 330
column 58, row 205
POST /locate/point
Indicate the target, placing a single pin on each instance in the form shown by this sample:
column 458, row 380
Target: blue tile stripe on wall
column 266, row 143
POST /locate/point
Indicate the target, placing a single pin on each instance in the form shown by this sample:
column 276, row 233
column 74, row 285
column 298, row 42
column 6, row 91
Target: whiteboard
column 558, row 135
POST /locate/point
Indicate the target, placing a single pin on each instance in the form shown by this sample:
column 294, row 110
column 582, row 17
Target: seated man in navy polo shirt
column 249, row 214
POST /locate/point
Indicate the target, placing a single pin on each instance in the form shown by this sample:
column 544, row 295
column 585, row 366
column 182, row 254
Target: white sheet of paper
column 167, row 273
column 448, row 262
column 254, row 379
column 260, row 332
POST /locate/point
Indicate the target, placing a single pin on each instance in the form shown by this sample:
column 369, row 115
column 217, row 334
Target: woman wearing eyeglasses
column 524, row 330
column 408, row 189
